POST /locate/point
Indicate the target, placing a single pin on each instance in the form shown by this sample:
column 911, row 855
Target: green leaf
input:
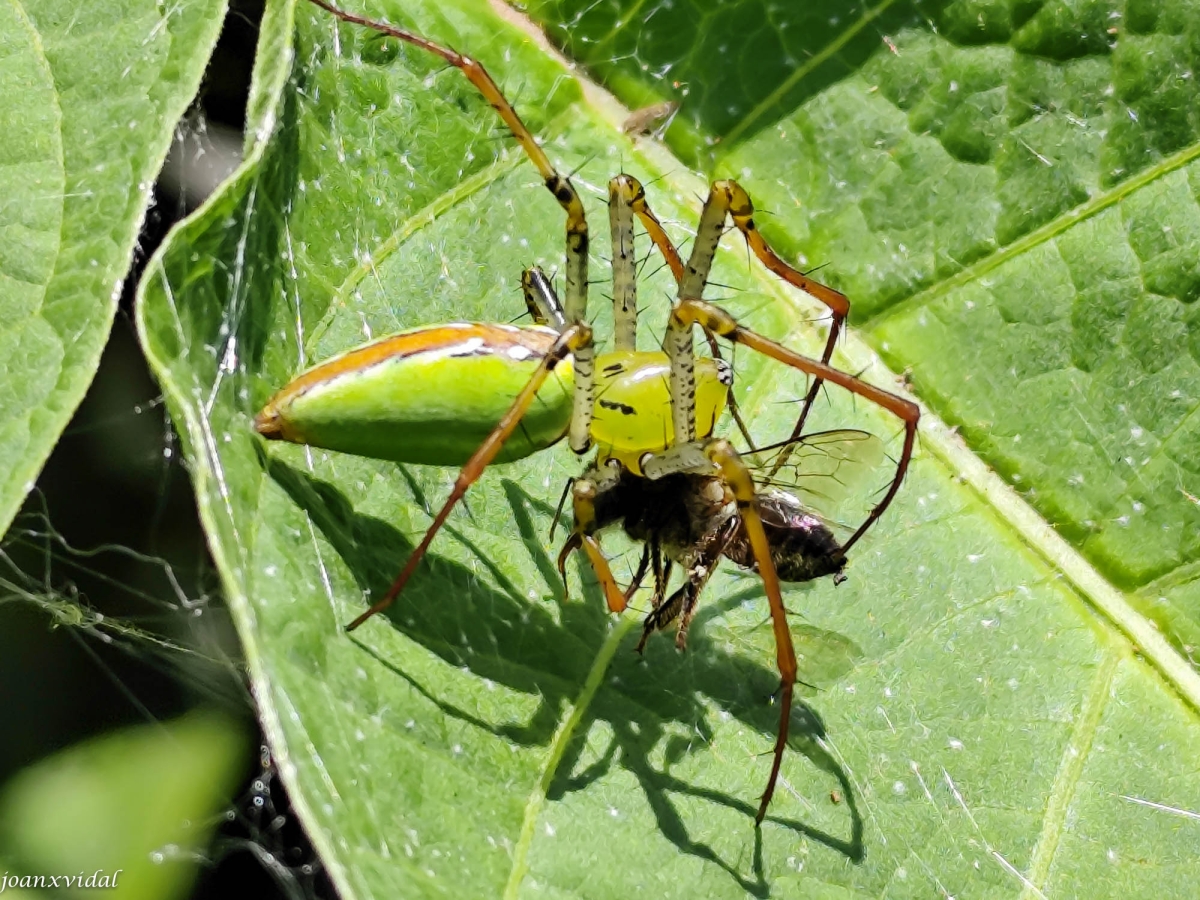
column 985, row 713
column 89, row 97
column 133, row 806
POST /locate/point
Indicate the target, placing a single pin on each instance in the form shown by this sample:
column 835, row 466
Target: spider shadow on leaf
column 498, row 634
column 706, row 671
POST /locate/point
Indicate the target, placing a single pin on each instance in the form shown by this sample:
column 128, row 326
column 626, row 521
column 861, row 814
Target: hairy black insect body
column 692, row 521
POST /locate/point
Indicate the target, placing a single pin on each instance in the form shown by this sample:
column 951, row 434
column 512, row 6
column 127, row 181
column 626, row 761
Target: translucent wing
column 834, row 474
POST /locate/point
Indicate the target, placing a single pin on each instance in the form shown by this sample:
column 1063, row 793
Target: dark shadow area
column 500, row 635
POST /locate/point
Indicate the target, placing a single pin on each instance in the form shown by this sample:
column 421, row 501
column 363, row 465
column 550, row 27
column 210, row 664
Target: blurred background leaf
column 138, row 805
column 90, row 95
column 109, row 610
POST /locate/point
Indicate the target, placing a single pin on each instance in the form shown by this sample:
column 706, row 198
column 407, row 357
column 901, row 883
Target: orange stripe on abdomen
column 498, row 339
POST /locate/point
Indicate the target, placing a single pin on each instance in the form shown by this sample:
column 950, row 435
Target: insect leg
column 662, row 616
column 712, row 548
column 643, row 567
column 564, row 345
column 688, row 612
column 662, row 576
column 738, row 478
column 690, row 311
column 682, row 604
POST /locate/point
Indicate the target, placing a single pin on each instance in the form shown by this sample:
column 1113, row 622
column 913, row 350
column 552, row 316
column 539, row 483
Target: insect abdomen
column 429, row 395
column 802, row 546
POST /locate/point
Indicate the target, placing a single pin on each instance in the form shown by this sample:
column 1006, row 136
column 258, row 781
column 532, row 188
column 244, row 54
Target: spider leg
column 739, row 480
column 688, row 312
column 583, row 495
column 541, row 300
column 633, row 195
column 626, row 195
column 624, row 262
column 559, row 185
column 564, row 345
column 546, row 309
column 728, row 198
column 741, row 211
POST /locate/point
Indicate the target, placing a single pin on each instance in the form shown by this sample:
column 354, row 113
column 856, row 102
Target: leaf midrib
column 572, row 716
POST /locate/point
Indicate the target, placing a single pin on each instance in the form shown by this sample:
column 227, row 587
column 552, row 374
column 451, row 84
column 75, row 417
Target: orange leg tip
column 612, row 592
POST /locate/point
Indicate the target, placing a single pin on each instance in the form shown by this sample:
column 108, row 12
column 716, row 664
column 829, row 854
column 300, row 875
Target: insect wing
column 834, row 474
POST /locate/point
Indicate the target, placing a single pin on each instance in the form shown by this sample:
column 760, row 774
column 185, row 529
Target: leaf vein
column 1070, row 773
column 1037, row 237
column 558, row 747
column 803, row 71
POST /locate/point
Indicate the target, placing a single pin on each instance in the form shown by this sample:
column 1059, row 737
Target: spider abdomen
column 426, row 395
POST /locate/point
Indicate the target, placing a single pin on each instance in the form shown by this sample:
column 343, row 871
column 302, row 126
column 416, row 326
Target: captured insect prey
column 693, row 520
column 472, row 394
